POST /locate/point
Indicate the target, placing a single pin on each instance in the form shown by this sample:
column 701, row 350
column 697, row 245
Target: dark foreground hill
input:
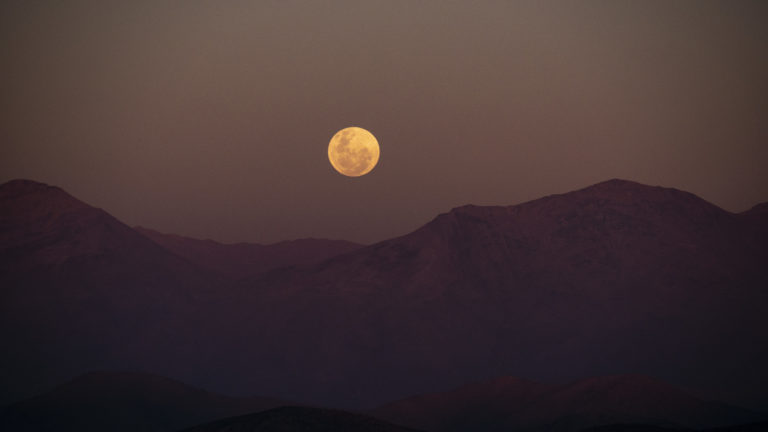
column 129, row 402
column 509, row 403
column 750, row 427
column 618, row 277
column 143, row 402
column 300, row 419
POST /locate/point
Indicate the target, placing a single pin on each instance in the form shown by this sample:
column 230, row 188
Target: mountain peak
column 45, row 227
column 630, row 383
column 610, row 192
column 30, row 210
column 301, row 418
column 26, row 190
column 630, row 189
column 24, row 184
column 126, row 401
column 608, row 187
column 620, row 183
column 758, row 209
column 618, row 190
column 615, row 203
column 26, row 201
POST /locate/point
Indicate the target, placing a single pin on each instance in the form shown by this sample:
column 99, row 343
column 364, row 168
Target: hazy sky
column 212, row 119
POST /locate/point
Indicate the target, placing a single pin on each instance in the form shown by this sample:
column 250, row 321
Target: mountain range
column 301, row 419
column 130, row 402
column 615, row 278
column 138, row 402
column 513, row 404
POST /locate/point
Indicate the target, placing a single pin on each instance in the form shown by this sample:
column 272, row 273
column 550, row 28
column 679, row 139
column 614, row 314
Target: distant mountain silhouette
column 124, row 402
column 120, row 401
column 634, row 428
column 300, row 419
column 751, row 427
column 513, row 404
column 614, row 278
column 241, row 260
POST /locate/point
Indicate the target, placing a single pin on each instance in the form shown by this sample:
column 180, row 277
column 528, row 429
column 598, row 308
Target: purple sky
column 212, row 119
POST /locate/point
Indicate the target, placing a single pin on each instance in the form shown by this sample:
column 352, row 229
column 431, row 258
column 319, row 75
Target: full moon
column 353, row 151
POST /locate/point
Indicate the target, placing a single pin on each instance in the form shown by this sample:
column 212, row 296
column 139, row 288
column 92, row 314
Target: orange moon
column 353, row 151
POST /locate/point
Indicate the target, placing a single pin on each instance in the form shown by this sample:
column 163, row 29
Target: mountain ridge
column 79, row 284
column 242, row 260
column 301, row 419
column 615, row 277
column 125, row 401
column 133, row 401
column 509, row 403
column 475, row 276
